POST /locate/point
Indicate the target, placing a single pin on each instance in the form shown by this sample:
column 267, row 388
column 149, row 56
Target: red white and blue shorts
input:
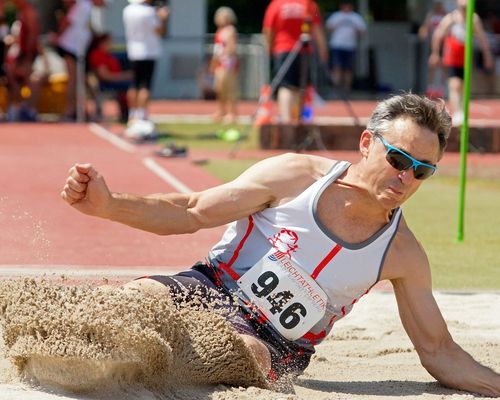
column 201, row 281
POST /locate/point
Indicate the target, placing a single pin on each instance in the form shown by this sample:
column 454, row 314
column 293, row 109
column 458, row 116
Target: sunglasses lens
column 398, row 160
column 423, row 172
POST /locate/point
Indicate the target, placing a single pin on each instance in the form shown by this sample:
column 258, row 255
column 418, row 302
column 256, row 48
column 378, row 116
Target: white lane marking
column 96, row 271
column 153, row 166
column 110, row 137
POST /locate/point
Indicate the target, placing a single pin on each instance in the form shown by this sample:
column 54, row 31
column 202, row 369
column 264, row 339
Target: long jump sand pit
column 79, row 342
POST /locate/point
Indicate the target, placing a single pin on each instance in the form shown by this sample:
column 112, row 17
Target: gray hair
column 422, row 110
column 228, row 11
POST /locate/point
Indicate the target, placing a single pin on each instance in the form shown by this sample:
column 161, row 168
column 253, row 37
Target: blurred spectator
column 225, row 64
column 145, row 25
column 47, row 68
column 451, row 33
column 426, row 31
column 346, row 27
column 108, row 71
column 205, row 79
column 284, row 22
column 23, row 48
column 72, row 41
column 4, row 32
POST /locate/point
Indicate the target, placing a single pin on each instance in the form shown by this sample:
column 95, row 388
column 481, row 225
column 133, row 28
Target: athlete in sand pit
column 309, row 236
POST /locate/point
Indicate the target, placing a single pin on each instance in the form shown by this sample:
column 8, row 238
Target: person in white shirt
column 72, row 41
column 346, row 26
column 145, row 25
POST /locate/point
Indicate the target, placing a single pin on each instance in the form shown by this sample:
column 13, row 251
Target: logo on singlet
column 285, row 241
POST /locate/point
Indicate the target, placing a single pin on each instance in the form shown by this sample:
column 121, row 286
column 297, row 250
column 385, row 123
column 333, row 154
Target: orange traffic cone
column 264, row 114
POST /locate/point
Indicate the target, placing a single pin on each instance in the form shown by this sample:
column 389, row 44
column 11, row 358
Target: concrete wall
column 175, row 74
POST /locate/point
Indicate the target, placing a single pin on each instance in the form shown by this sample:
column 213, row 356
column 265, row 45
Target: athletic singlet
column 293, row 235
column 227, row 61
column 454, row 45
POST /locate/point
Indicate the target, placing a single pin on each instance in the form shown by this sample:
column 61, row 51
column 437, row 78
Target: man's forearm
column 160, row 214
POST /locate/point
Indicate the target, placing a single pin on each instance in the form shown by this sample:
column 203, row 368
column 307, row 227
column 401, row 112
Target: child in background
column 225, row 65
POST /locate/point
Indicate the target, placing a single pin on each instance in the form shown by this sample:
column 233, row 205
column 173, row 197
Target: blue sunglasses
column 402, row 161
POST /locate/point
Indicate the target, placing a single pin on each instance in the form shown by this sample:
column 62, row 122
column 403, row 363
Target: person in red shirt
column 451, row 34
column 108, row 70
column 284, row 22
column 21, row 55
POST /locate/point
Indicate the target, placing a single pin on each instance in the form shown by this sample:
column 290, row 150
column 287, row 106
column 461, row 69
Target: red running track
column 39, row 229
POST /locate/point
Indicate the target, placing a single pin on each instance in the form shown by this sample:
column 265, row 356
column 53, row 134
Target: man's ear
column 365, row 141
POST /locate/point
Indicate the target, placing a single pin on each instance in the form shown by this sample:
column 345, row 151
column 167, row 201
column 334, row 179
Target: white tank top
column 344, row 271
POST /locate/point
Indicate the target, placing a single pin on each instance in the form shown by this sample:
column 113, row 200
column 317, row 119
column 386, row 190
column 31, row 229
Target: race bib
column 287, row 296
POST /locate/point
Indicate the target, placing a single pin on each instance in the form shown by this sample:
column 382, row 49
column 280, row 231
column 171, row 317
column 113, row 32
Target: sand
column 82, row 342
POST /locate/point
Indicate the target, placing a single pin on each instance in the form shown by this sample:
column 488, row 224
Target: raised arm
column 444, row 359
column 438, row 37
column 259, row 187
column 483, row 42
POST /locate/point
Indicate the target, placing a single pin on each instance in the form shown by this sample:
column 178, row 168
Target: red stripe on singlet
column 325, row 261
column 314, row 338
column 228, row 267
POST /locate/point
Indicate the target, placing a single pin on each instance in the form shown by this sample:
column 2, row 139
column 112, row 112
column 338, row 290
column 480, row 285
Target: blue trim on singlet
column 331, row 235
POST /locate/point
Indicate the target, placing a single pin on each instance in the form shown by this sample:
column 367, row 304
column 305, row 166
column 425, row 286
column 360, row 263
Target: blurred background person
column 225, row 65
column 284, row 21
column 21, row 53
column 345, row 27
column 436, row 75
column 451, row 34
column 47, row 68
column 205, row 80
column 72, row 40
column 145, row 25
column 4, row 32
column 108, row 70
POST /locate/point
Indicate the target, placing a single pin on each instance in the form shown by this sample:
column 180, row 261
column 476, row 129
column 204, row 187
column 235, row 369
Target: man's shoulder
column 303, row 163
column 406, row 255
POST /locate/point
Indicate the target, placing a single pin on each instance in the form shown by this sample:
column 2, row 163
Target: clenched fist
column 86, row 191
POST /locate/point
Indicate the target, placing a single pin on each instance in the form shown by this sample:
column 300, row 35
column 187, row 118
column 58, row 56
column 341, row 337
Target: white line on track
column 103, row 133
column 153, row 166
column 94, row 271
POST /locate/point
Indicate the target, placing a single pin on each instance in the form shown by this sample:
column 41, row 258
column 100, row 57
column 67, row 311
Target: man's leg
column 255, row 346
column 288, row 104
column 455, row 93
column 143, row 95
column 220, row 77
column 455, row 85
column 71, row 86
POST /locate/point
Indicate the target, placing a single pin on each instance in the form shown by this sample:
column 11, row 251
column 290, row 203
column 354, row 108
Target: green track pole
column 464, row 133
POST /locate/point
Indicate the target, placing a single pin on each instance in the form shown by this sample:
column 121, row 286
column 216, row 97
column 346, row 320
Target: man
column 284, row 22
column 451, row 33
column 309, row 236
column 20, row 57
column 346, row 26
column 145, row 25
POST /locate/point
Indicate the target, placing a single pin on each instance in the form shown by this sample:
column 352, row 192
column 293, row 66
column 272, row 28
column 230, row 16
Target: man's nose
column 406, row 176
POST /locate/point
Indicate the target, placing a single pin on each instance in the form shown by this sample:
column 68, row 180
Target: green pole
column 464, row 133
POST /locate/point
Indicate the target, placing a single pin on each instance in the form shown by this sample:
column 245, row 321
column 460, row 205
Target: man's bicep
column 252, row 191
column 226, row 203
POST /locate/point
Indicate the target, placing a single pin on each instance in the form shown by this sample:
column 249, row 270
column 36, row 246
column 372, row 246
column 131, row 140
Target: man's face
column 388, row 185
